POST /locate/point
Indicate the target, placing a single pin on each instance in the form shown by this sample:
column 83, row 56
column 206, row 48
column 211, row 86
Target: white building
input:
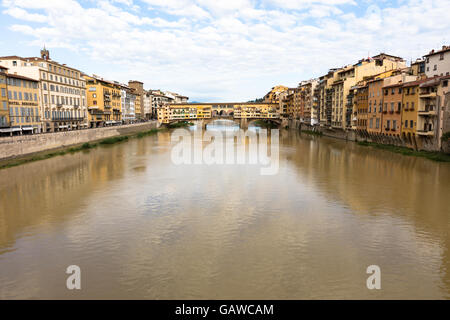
column 128, row 99
column 437, row 63
column 147, row 108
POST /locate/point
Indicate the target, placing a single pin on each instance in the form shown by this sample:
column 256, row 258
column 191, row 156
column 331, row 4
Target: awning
column 7, row 130
column 63, row 127
column 27, row 128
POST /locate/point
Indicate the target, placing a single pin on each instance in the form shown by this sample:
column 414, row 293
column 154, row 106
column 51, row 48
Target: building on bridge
column 200, row 111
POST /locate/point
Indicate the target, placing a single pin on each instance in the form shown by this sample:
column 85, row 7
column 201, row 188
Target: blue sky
column 233, row 50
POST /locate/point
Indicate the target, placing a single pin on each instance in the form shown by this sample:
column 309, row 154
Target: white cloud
column 24, row 15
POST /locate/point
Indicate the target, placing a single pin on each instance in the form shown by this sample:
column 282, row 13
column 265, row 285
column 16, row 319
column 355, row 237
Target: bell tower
column 45, row 54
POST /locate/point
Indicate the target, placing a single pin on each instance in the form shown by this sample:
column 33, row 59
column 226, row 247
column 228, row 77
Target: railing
column 428, row 109
column 66, row 119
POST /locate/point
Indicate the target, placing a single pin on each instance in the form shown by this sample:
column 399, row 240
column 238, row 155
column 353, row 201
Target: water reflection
column 141, row 227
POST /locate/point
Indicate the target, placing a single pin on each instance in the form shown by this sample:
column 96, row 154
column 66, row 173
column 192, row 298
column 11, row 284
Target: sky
column 219, row 51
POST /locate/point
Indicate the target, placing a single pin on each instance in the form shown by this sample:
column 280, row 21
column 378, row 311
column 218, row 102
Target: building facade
column 4, row 106
column 437, row 63
column 139, row 91
column 23, row 101
column 62, row 91
column 410, row 112
column 104, row 102
column 392, row 109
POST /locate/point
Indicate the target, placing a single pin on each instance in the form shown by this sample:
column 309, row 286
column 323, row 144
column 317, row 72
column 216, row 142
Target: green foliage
column 114, row 140
column 314, row 133
column 182, row 124
column 446, row 136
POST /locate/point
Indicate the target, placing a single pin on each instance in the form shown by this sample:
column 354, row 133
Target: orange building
column 375, row 103
column 392, row 109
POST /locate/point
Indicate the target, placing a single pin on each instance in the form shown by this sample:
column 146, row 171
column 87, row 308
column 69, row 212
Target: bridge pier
column 244, row 124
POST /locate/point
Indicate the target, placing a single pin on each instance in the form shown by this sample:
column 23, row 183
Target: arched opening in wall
column 222, row 112
column 231, row 114
column 215, row 113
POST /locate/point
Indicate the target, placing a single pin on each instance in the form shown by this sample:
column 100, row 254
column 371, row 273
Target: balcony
column 429, row 110
column 66, row 119
column 95, row 111
column 426, row 133
column 428, row 95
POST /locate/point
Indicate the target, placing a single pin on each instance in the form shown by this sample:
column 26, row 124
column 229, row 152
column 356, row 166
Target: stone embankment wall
column 426, row 144
column 17, row 146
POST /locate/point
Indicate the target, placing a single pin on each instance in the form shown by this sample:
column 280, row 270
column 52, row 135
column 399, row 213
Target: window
column 3, row 92
column 411, row 124
column 388, row 124
column 445, row 83
column 394, row 124
column 435, row 67
column 406, row 123
column 378, row 123
column 441, row 56
column 14, row 63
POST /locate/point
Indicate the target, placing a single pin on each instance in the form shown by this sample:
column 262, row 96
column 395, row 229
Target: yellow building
column 410, row 111
column 197, row 111
column 4, row 107
column 104, row 102
column 23, row 101
column 273, row 96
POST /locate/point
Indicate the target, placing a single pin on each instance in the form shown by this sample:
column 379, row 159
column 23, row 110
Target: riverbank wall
column 19, row 146
column 415, row 143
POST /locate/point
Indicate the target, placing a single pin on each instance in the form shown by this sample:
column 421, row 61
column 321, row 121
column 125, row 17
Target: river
column 141, row 227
